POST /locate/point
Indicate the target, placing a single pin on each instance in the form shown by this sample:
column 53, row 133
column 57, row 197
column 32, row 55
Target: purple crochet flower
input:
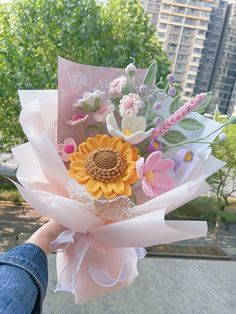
column 172, row 92
column 171, row 78
column 155, row 145
column 222, row 136
column 157, row 105
column 183, row 155
column 151, row 98
column 157, row 121
column 143, row 88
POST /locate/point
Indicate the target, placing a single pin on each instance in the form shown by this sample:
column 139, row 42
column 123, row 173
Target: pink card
column 74, row 80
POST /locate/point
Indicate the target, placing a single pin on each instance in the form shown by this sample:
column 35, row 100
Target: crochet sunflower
column 105, row 165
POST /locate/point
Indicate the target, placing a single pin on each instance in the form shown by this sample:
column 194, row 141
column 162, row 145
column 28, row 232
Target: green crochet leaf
column 151, row 74
column 174, row 137
column 93, row 127
column 190, row 124
column 127, row 89
column 205, row 104
column 175, row 105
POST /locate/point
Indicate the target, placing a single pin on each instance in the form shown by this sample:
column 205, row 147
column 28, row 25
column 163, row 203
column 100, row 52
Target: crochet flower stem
column 200, row 139
column 179, row 115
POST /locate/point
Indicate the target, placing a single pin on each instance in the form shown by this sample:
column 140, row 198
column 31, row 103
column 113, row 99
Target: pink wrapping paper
column 97, row 259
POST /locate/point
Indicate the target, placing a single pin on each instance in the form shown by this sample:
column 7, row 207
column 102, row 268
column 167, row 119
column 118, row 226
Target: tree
column 33, row 33
column 223, row 182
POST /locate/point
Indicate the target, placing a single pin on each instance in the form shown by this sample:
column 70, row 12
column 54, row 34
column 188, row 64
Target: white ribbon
column 101, row 276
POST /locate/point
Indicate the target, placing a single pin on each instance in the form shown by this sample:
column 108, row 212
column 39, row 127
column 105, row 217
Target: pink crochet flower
column 101, row 114
column 130, row 104
column 154, row 174
column 116, row 86
column 179, row 115
column 66, row 148
column 77, row 119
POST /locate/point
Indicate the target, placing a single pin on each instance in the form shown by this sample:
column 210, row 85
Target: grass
column 9, row 193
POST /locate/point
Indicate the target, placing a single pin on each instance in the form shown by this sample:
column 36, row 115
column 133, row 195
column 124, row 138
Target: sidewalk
column 164, row 286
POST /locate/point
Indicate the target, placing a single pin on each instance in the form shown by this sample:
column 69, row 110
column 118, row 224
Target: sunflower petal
column 98, row 193
column 77, row 165
column 127, row 176
column 93, row 185
column 105, row 141
column 111, row 195
column 106, row 188
column 118, row 187
column 92, row 142
column 128, row 154
column 127, row 190
column 114, row 142
column 134, row 178
column 84, row 149
column 82, row 177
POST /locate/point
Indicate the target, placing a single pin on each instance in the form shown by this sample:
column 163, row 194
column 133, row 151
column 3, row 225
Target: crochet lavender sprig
column 179, row 115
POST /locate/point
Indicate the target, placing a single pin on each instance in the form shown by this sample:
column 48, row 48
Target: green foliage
column 33, row 33
column 176, row 104
column 223, row 182
column 174, row 137
column 190, row 124
column 9, row 193
column 205, row 104
column 226, row 150
column 151, row 74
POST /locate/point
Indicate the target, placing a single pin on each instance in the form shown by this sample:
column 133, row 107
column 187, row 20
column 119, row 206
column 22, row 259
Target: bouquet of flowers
column 108, row 156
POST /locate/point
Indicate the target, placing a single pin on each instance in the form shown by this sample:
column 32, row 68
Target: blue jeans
column 23, row 280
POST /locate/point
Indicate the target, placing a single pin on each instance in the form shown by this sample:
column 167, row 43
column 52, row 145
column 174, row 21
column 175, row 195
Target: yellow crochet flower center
column 105, row 165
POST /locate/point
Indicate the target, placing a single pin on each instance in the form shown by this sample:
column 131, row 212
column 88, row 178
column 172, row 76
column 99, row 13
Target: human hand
column 46, row 234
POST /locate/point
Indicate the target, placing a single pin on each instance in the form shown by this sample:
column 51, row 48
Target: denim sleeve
column 23, row 280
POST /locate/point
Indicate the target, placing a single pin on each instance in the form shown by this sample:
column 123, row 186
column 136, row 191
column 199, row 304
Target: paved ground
column 164, row 286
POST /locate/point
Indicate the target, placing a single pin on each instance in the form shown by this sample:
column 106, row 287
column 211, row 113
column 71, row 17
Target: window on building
column 191, row 77
column 181, row 1
column 189, row 85
column 164, row 16
column 203, row 23
column 188, row 30
column 193, row 12
column 163, row 25
column 196, row 59
column 175, row 29
column 161, row 35
column 173, row 37
column 205, row 13
column 207, row 4
column 180, row 66
column 171, row 47
column 181, row 57
column 197, row 50
column 193, row 68
column 165, row 7
column 190, row 21
column 179, row 9
column 199, row 41
column 187, row 94
column 201, row 32
column 177, row 19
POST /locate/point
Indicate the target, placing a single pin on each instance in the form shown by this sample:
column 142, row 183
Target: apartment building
column 182, row 29
column 152, row 7
column 224, row 82
column 212, row 48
